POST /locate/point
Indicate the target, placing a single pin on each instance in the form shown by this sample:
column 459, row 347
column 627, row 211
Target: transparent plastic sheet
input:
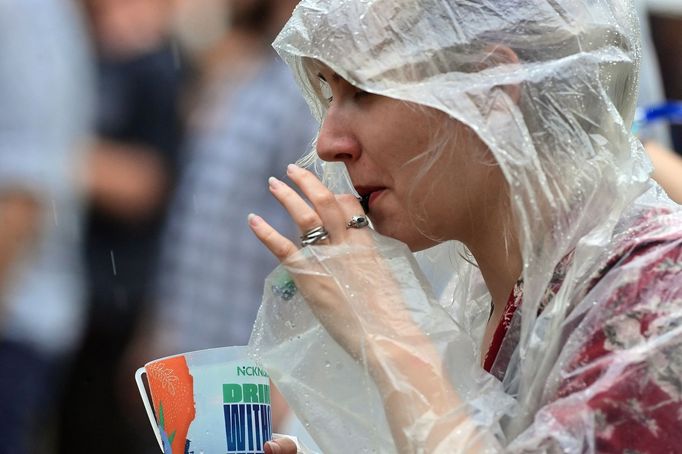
column 386, row 298
column 579, row 188
column 338, row 400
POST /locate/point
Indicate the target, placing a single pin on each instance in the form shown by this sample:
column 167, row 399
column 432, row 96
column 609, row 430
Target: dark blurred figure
column 666, row 30
column 45, row 94
column 656, row 136
column 128, row 179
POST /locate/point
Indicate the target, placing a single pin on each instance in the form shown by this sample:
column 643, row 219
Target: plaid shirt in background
column 212, row 269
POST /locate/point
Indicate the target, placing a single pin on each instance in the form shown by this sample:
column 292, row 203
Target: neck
column 498, row 256
column 500, row 263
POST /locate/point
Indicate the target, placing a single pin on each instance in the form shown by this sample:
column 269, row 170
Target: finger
column 280, row 246
column 304, row 215
column 351, row 207
column 323, row 200
column 280, row 446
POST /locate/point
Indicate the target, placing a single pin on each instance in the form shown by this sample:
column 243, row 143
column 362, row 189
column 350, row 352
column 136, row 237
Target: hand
column 363, row 289
column 328, row 210
column 346, row 282
column 124, row 180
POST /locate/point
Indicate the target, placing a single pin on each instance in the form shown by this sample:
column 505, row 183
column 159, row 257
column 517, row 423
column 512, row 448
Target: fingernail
column 274, row 182
column 253, row 219
column 268, row 447
column 292, row 168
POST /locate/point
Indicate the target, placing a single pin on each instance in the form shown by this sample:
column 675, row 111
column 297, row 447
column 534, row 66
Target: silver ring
column 357, row 222
column 312, row 236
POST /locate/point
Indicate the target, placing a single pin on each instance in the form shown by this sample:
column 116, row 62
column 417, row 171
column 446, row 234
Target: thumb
column 280, row 446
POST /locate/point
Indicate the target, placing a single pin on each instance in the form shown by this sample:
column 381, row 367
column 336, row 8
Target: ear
column 497, row 55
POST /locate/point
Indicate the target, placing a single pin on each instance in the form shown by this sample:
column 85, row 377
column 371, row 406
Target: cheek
column 434, row 197
column 403, row 229
column 401, row 135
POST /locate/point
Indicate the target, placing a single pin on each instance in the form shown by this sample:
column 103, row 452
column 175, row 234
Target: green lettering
column 251, row 394
column 264, row 393
column 232, row 394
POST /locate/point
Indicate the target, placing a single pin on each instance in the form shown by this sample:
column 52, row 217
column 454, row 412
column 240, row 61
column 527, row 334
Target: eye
column 326, row 90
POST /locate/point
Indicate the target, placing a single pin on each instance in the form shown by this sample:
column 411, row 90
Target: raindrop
column 113, row 262
column 54, row 213
column 177, row 61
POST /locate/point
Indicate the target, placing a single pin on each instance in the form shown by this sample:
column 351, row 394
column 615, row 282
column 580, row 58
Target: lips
column 374, row 195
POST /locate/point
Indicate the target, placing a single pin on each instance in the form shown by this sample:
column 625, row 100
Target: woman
column 497, row 132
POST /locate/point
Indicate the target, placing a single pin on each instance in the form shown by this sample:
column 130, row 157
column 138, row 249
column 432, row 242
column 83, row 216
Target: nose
column 337, row 141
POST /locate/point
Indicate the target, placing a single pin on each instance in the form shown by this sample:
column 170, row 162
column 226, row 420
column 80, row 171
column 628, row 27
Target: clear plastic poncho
column 582, row 202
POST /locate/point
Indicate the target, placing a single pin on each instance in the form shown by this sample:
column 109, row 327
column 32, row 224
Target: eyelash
column 356, row 95
column 325, row 90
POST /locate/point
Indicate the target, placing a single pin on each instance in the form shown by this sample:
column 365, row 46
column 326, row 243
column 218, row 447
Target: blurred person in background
column 656, row 137
column 45, row 86
column 247, row 123
column 247, row 120
column 129, row 175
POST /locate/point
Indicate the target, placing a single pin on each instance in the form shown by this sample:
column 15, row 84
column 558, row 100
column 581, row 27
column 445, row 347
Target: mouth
column 368, row 195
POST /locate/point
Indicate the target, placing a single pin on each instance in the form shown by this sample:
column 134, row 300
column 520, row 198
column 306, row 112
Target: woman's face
column 417, row 194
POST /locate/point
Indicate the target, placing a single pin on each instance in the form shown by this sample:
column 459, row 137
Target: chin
column 414, row 239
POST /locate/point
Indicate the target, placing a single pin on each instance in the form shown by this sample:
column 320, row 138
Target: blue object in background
column 669, row 111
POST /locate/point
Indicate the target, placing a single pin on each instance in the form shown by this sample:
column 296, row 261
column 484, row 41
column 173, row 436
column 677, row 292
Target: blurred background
column 135, row 137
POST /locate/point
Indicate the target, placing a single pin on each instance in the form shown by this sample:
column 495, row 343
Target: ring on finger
column 312, row 236
column 357, row 222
